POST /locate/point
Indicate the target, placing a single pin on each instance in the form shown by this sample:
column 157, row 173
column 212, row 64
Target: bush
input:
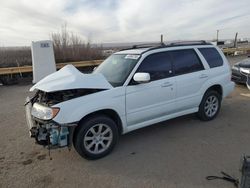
column 15, row 56
column 70, row 47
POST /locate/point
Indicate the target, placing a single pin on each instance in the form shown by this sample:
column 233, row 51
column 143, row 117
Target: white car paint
column 138, row 105
column 156, row 99
column 142, row 77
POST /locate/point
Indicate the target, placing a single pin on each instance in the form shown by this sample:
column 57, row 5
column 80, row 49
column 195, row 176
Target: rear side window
column 186, row 61
column 212, row 57
column 158, row 65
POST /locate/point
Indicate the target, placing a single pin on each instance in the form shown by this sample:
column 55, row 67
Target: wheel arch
column 107, row 112
column 217, row 87
column 214, row 88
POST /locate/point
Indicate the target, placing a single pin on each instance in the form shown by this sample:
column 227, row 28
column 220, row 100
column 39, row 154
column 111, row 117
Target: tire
column 95, row 137
column 209, row 106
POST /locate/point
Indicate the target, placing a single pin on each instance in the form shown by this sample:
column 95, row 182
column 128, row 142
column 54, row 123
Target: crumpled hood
column 69, row 77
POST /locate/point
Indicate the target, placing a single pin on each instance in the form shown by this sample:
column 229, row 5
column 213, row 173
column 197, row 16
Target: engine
column 52, row 98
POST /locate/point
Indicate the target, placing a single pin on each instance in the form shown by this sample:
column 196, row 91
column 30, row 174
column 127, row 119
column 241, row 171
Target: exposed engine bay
column 47, row 132
column 52, row 98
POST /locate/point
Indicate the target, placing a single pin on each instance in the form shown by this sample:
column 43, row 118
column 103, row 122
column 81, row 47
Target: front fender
column 74, row 110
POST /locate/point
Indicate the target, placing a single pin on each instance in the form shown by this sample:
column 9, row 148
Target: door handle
column 166, row 84
column 203, row 76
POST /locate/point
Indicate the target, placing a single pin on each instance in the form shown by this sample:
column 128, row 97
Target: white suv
column 131, row 89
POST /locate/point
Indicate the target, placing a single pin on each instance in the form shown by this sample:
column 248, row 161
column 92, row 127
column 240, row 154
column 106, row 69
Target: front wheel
column 96, row 137
column 210, row 105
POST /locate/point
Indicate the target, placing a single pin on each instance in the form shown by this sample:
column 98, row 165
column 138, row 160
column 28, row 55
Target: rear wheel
column 96, row 137
column 210, row 105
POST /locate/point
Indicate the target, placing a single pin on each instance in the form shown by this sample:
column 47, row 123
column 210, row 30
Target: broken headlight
column 43, row 112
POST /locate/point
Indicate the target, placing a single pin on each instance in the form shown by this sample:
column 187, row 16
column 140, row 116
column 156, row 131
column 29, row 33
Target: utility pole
column 161, row 39
column 217, row 36
column 235, row 40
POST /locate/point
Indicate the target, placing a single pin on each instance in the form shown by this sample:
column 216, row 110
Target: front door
column 148, row 101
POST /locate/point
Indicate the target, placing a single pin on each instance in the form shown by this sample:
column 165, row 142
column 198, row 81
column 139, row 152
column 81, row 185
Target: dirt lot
column 176, row 153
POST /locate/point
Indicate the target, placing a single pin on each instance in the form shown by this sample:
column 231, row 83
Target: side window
column 212, row 57
column 158, row 65
column 186, row 61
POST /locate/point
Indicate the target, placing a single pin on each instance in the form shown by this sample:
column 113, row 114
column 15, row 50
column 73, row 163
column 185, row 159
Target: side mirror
column 142, row 77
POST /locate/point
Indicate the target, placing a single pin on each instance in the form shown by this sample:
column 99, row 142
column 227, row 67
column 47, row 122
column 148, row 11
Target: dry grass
column 17, row 56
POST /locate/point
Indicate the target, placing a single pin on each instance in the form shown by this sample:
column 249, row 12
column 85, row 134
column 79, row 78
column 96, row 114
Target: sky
column 111, row 21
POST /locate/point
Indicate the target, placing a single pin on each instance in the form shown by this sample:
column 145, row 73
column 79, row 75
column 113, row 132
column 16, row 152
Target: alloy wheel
column 98, row 138
column 211, row 106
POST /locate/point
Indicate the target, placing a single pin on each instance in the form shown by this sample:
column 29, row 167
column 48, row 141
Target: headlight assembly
column 43, row 112
column 244, row 70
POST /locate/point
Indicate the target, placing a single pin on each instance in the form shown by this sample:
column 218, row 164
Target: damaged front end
column 40, row 113
column 66, row 84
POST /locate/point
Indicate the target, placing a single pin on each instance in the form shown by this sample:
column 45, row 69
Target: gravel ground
column 178, row 153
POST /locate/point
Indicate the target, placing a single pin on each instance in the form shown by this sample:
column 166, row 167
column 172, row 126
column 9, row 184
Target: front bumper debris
column 48, row 133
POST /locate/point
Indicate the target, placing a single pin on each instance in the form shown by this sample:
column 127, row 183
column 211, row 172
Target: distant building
column 107, row 53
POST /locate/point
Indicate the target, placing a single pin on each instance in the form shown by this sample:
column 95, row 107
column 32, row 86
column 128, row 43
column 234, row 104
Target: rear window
column 186, row 61
column 212, row 57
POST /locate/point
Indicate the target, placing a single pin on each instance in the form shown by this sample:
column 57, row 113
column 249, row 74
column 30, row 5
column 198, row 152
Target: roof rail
column 146, row 45
column 153, row 46
column 185, row 43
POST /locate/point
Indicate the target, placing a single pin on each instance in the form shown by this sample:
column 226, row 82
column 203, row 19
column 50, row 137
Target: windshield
column 117, row 67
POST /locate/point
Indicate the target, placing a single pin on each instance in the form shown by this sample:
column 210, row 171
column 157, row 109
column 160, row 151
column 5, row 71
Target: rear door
column 149, row 101
column 215, row 63
column 190, row 76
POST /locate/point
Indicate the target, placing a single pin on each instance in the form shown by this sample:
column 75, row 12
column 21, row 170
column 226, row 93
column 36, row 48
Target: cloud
column 23, row 21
